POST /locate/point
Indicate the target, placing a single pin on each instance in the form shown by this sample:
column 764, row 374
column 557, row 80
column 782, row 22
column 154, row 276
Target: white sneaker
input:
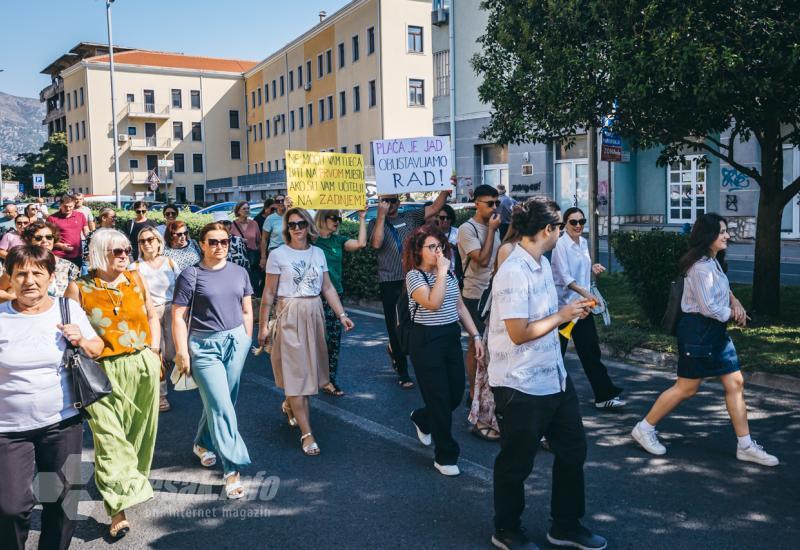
column 424, row 438
column 613, row 403
column 447, row 470
column 756, row 453
column 648, row 439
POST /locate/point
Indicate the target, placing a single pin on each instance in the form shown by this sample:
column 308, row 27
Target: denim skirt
column 704, row 348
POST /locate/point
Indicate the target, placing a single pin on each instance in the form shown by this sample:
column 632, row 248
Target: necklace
column 116, row 304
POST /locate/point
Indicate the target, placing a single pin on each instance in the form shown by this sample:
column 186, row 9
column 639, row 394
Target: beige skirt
column 299, row 354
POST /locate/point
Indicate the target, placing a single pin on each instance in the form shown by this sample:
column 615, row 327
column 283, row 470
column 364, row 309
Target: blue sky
column 35, row 32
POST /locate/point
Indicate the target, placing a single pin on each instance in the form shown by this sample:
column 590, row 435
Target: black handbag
column 405, row 319
column 89, row 382
column 669, row 323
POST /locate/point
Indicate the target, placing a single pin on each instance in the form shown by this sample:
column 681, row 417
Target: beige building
column 185, row 110
column 363, row 73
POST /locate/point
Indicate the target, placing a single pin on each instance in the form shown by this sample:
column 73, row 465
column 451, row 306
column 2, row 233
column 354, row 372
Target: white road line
column 365, row 313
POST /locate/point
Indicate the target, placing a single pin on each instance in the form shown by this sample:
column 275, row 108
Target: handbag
column 405, row 319
column 669, row 323
column 89, row 382
column 602, row 306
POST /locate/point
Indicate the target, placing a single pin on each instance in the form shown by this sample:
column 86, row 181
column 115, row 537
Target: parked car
column 372, row 211
column 219, row 207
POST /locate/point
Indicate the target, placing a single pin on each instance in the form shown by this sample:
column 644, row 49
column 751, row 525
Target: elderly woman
column 180, row 247
column 216, row 296
column 297, row 274
column 123, row 424
column 334, row 246
column 160, row 274
column 39, row 427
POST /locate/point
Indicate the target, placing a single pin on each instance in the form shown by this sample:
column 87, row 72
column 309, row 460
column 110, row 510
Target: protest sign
column 326, row 180
column 411, row 165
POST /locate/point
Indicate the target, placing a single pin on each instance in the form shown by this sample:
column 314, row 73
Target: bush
column 463, row 215
column 650, row 260
column 360, row 277
column 194, row 222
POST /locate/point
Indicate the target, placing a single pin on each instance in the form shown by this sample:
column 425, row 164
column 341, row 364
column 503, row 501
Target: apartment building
column 363, row 73
column 180, row 121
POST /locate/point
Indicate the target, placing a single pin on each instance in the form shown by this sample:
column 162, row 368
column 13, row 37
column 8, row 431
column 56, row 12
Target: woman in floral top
column 180, row 248
column 118, row 304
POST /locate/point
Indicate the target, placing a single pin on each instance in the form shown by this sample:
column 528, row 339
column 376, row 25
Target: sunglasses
column 559, row 225
column 496, row 204
column 120, row 252
column 148, row 240
column 297, row 225
column 337, row 219
column 434, row 247
column 40, row 238
column 218, row 242
column 22, row 223
column 170, row 214
column 180, row 234
column 391, row 201
column 575, row 223
column 443, row 218
column 141, row 211
column 279, row 201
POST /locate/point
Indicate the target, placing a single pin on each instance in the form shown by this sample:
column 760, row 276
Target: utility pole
column 594, row 241
column 113, row 103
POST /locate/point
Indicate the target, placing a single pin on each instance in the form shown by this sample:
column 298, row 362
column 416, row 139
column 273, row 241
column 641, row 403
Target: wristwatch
column 342, row 315
column 477, row 337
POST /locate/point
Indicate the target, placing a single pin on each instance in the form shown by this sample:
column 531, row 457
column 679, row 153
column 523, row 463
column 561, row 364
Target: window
column 72, row 165
column 236, row 150
column 358, row 148
column 274, row 89
column 269, row 166
column 342, row 103
column 260, row 131
column 85, row 164
column 133, row 164
column 330, row 107
column 283, row 90
column 291, row 81
column 131, row 130
column 320, row 72
column 179, row 163
column 81, row 92
column 267, row 125
column 283, row 123
column 83, row 128
column 373, row 95
column 344, row 149
column 197, row 162
column 686, row 185
column 177, row 99
column 69, row 101
column 322, row 110
column 308, row 70
column 299, row 76
column 177, row 130
column 79, row 161
column 340, row 54
column 416, row 92
column 414, row 39
column 259, row 95
column 441, row 73
column 301, row 119
column 329, row 62
column 266, row 93
column 75, row 102
column 130, row 98
column 253, row 99
column 69, row 132
column 310, row 108
column 291, row 121
column 195, row 98
column 197, row 131
column 233, row 119
column 370, row 40
column 355, row 49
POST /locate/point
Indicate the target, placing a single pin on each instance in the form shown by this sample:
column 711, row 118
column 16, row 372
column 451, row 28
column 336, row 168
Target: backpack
column 405, row 319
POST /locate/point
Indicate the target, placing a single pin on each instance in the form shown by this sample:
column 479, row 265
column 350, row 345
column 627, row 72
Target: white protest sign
column 411, row 165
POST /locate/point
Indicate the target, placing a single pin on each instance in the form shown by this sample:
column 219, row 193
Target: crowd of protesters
column 152, row 300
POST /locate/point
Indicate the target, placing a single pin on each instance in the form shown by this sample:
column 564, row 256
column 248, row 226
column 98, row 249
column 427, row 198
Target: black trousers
column 22, row 454
column 439, row 366
column 390, row 293
column 584, row 334
column 523, row 420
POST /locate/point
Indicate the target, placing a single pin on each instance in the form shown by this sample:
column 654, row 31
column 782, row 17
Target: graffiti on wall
column 732, row 203
column 734, row 179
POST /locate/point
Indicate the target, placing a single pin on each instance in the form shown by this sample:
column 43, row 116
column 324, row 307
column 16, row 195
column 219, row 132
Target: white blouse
column 706, row 290
column 571, row 264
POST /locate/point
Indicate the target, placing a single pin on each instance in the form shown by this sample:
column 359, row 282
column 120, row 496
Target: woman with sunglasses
column 334, row 246
column 137, row 224
column 180, row 248
column 160, row 274
column 170, row 213
column 33, row 212
column 297, row 274
column 124, row 423
column 572, row 272
column 14, row 237
column 212, row 346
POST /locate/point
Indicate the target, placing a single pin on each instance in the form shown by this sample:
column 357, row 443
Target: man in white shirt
column 85, row 210
column 533, row 394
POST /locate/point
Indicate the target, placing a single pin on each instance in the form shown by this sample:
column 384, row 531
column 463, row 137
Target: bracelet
column 342, row 315
column 476, row 337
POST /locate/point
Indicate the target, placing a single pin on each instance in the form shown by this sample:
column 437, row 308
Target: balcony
column 139, row 177
column 146, row 110
column 52, row 90
column 151, row 144
column 265, row 180
column 53, row 114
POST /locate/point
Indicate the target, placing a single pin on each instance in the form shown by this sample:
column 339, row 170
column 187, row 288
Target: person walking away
column 212, row 346
column 506, row 208
column 272, row 230
column 297, row 274
column 572, row 272
column 705, row 350
column 334, row 246
column 40, row 429
column 137, row 224
column 533, row 393
column 436, row 307
column 478, row 242
column 250, row 231
column 72, row 227
column 386, row 234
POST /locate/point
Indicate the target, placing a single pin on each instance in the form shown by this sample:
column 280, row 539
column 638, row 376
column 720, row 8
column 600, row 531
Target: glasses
column 496, row 204
column 559, row 225
column 23, row 223
column 444, row 218
column 141, row 211
column 170, row 214
column 279, row 201
column 180, row 234
column 218, row 242
column 297, row 225
column 40, row 238
column 337, row 219
column 148, row 240
column 120, row 252
column 390, row 200
column 575, row 223
column 434, row 247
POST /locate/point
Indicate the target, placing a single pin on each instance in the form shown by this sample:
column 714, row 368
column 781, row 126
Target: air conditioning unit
column 307, row 85
column 439, row 17
column 123, row 137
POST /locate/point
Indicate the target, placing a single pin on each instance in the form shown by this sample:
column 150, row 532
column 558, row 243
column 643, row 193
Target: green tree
column 681, row 72
column 51, row 160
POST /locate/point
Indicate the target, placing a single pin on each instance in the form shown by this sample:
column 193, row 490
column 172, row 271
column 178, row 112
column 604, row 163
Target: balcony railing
column 277, row 178
column 53, row 89
column 140, row 177
column 151, row 143
column 146, row 110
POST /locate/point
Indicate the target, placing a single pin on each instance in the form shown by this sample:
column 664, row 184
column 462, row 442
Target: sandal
column 234, row 490
column 312, row 449
column 163, row 405
column 119, row 529
column 486, row 432
column 207, row 458
column 406, row 384
column 332, row 389
column 287, row 410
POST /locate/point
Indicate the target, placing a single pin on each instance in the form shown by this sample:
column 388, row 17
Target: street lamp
column 113, row 103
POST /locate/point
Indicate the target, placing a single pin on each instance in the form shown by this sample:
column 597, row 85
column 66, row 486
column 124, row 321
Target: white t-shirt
column 301, row 271
column 523, row 289
column 35, row 390
column 571, row 264
column 86, row 211
column 160, row 282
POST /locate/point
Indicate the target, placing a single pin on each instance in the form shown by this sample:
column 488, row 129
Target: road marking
column 366, row 313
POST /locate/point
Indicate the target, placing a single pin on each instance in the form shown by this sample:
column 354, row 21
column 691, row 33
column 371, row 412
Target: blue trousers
column 217, row 362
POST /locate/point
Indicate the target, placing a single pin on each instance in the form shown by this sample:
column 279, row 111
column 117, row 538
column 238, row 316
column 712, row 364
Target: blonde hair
column 303, row 213
column 322, row 215
column 159, row 240
column 103, row 240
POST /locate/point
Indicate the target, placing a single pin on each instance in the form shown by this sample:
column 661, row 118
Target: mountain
column 21, row 129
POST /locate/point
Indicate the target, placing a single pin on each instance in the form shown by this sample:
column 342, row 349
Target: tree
column 680, row 72
column 51, row 160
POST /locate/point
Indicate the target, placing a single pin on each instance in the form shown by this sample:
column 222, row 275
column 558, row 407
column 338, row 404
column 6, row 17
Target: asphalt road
column 374, row 486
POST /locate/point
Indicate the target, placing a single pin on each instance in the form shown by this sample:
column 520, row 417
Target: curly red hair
column 412, row 247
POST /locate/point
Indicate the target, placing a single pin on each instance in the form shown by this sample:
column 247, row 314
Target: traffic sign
column 611, row 149
column 164, row 163
column 38, row 181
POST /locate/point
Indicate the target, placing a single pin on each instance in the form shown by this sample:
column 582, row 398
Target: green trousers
column 124, row 428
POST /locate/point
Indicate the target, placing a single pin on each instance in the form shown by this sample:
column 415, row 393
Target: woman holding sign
column 334, row 246
column 297, row 274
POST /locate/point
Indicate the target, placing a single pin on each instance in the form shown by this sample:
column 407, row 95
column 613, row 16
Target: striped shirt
column 446, row 314
column 706, row 290
column 395, row 231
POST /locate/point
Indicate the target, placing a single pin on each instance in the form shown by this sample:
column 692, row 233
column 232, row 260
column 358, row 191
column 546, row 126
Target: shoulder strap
column 239, row 229
column 63, row 304
column 416, row 304
column 395, row 235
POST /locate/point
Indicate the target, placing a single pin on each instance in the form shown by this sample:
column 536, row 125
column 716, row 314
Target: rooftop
column 176, row 61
